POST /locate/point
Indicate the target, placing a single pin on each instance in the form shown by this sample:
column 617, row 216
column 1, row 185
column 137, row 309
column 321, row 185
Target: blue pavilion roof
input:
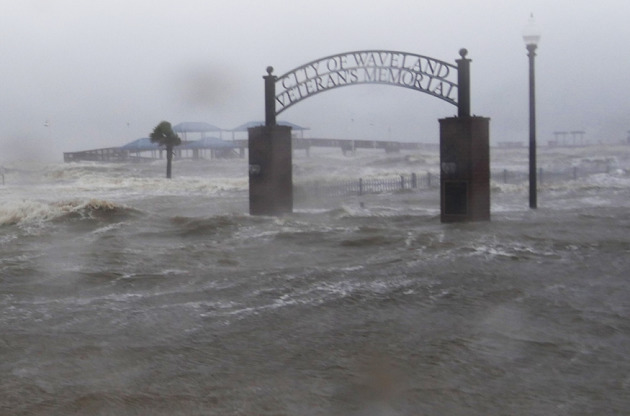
column 140, row 145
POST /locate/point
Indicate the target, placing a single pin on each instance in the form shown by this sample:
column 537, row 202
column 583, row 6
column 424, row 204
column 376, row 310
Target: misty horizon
column 99, row 75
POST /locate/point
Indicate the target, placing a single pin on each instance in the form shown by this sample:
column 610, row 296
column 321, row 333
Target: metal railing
column 428, row 180
column 362, row 186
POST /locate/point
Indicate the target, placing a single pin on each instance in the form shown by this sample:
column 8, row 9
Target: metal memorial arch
column 464, row 140
column 437, row 78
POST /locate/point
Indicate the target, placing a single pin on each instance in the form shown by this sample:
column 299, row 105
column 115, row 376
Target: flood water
column 123, row 293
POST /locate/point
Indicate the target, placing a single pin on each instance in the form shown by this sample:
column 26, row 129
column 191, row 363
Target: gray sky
column 103, row 73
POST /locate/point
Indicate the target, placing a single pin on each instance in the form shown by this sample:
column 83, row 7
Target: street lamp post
column 531, row 36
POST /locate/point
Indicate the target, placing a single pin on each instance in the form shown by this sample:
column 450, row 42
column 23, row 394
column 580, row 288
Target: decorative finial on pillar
column 270, row 97
column 463, row 84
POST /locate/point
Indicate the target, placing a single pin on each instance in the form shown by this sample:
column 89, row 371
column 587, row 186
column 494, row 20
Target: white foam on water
column 24, row 211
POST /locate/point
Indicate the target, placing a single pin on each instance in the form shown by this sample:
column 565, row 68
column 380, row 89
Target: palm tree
column 164, row 135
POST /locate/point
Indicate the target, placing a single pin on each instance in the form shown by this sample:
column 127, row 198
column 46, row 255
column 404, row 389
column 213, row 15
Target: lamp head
column 531, row 33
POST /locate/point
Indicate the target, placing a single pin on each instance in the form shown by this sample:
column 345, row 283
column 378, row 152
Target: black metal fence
column 363, row 186
column 430, row 180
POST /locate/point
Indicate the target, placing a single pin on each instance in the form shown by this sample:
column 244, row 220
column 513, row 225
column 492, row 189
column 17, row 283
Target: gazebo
column 196, row 127
column 216, row 146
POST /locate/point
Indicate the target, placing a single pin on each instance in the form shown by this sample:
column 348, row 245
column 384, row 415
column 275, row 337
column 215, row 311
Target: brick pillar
column 465, row 169
column 270, row 170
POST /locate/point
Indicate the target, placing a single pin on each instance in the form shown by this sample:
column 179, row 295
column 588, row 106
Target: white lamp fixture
column 531, row 33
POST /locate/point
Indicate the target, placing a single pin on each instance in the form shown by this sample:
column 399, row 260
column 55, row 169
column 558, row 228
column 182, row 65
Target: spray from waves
column 157, row 185
column 31, row 212
column 109, row 178
column 160, row 186
column 595, row 190
column 617, row 179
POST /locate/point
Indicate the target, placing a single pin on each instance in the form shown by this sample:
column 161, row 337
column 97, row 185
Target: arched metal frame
column 440, row 79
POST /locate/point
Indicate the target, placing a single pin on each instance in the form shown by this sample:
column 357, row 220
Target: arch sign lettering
column 402, row 69
column 438, row 78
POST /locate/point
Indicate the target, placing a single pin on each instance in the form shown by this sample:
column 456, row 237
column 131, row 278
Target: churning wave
column 32, row 212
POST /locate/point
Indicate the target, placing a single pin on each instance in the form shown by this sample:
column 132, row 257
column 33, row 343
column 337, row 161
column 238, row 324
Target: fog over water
column 83, row 76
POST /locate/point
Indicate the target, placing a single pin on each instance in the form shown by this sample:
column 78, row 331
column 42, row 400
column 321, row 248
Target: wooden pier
column 108, row 154
column 237, row 148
